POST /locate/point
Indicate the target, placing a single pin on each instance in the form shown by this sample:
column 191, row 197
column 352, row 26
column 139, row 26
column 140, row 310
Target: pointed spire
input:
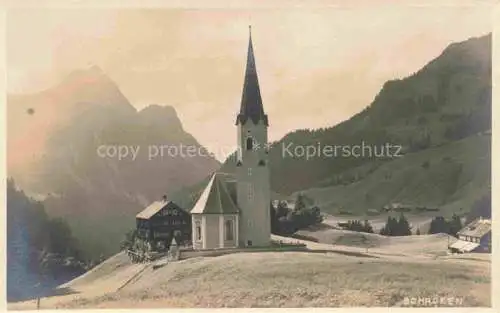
column 251, row 100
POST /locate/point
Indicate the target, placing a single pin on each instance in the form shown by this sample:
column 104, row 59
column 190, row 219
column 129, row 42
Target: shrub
column 395, row 227
column 356, row 225
column 285, row 221
column 440, row 225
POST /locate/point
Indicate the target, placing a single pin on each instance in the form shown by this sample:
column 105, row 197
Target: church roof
column 251, row 100
column 216, row 198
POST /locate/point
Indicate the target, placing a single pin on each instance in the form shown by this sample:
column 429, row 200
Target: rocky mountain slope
column 63, row 144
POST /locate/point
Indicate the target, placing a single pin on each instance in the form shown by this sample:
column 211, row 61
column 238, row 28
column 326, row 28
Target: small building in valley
column 161, row 222
column 475, row 237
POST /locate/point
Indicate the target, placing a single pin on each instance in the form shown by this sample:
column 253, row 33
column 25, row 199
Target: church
column 234, row 210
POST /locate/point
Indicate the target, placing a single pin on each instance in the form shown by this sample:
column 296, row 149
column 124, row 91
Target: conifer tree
column 455, row 225
column 367, row 227
column 403, row 227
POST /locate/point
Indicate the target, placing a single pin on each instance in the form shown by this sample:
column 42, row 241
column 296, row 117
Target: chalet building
column 475, row 237
column 234, row 212
column 161, row 222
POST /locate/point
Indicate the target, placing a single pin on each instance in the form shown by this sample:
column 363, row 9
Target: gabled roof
column 465, row 246
column 251, row 100
column 215, row 198
column 156, row 207
column 477, row 228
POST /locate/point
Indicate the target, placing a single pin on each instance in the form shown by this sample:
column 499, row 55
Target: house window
column 229, row 230
column 198, row 231
column 249, row 143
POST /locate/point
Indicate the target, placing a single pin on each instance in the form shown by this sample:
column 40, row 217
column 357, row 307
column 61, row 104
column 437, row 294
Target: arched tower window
column 249, row 143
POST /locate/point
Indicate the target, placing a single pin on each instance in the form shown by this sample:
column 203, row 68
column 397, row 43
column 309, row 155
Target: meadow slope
column 325, row 276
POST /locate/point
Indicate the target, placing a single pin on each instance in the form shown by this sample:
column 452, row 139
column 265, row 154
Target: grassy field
column 456, row 176
column 435, row 244
column 317, row 278
column 417, row 221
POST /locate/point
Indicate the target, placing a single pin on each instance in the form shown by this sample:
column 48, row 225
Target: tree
column 367, row 227
column 282, row 209
column 439, row 225
column 403, row 227
column 129, row 240
column 390, row 227
column 60, row 238
column 356, row 225
column 395, row 227
column 274, row 220
column 285, row 221
column 40, row 251
column 317, row 216
column 455, row 225
column 300, row 202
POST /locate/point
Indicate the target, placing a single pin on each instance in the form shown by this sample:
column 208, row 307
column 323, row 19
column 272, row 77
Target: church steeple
column 251, row 101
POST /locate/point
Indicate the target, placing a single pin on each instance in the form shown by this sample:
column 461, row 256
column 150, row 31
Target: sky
column 317, row 66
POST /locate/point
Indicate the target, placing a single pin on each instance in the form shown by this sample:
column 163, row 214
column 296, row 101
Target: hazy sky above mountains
column 316, row 66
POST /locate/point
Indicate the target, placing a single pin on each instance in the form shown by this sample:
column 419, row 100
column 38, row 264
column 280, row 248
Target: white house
column 474, row 237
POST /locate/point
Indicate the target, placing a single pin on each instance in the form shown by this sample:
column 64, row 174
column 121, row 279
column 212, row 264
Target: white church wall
column 211, row 239
column 253, row 190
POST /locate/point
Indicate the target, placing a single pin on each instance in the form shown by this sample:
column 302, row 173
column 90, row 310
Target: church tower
column 252, row 168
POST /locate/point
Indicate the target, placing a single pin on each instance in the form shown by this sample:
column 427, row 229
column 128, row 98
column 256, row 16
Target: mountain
column 63, row 145
column 440, row 117
column 32, row 118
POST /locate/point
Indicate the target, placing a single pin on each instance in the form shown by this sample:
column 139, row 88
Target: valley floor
column 326, row 276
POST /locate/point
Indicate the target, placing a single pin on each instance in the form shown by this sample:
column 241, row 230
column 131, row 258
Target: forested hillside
column 440, row 116
column 41, row 251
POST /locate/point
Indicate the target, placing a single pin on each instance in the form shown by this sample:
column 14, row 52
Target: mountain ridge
column 75, row 165
column 446, row 101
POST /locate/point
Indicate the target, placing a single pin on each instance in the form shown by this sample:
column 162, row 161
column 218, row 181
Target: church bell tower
column 252, row 167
